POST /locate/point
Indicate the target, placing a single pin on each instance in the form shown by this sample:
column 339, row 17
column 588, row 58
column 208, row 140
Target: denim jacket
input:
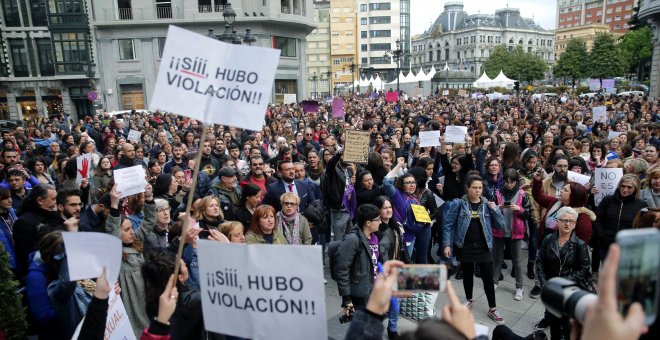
column 457, row 221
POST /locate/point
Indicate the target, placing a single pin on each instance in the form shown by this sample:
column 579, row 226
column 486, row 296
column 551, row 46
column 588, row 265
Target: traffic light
column 516, row 86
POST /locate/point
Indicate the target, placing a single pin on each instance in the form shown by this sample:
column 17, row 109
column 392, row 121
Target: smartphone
column 422, row 277
column 506, row 203
column 639, row 270
column 188, row 174
column 204, row 234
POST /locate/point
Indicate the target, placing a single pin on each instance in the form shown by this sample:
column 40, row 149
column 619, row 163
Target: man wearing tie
column 288, row 183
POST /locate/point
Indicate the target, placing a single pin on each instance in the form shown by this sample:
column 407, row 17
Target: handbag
column 418, row 307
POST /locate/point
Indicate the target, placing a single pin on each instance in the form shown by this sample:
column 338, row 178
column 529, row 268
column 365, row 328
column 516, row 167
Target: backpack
column 333, row 253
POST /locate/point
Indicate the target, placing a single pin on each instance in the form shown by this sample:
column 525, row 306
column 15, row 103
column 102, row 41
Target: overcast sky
column 424, row 12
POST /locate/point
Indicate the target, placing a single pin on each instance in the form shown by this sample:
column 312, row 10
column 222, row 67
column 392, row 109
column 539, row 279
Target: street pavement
column 520, row 316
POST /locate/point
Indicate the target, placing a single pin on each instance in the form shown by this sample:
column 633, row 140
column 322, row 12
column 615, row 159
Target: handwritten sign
column 84, row 166
column 455, row 134
column 391, row 97
column 249, row 291
column 578, row 178
column 87, row 253
column 429, row 138
column 130, row 181
column 290, row 98
column 214, row 82
column 606, row 180
column 357, row 146
column 594, row 84
column 600, row 112
column 445, row 92
column 421, row 214
column 462, row 93
column 117, row 325
column 337, row 107
column 134, row 135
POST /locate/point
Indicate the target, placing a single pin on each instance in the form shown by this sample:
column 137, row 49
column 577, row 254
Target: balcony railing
column 211, row 8
column 47, row 69
column 125, row 14
column 164, row 12
column 21, row 71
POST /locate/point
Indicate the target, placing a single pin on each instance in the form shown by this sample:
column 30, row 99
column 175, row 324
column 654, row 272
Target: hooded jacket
column 616, row 213
column 354, row 270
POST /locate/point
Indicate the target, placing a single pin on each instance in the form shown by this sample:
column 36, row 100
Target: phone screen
column 204, row 234
column 422, row 278
column 188, row 174
column 638, row 274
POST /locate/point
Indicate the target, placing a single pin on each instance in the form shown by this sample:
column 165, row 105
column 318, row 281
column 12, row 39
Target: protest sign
column 337, row 107
column 594, row 84
column 421, row 214
column 600, row 112
column 606, row 181
column 445, row 92
column 391, row 97
column 117, row 324
column 214, row 82
column 290, row 98
column 357, row 146
column 249, row 291
column 578, row 178
column 429, row 138
column 130, row 181
column 608, row 83
column 134, row 135
column 310, row 106
column 613, row 134
column 84, row 166
column 462, row 93
column 455, row 134
column 87, row 253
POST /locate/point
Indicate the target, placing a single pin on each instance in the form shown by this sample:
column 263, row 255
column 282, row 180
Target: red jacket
column 585, row 216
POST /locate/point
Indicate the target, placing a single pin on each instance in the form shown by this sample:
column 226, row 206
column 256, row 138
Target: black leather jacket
column 571, row 262
column 354, row 269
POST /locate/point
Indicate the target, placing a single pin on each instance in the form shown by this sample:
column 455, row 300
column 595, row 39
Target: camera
column 346, row 318
column 564, row 298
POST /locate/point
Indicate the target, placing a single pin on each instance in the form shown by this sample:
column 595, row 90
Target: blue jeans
column 393, row 315
column 420, row 245
column 533, row 244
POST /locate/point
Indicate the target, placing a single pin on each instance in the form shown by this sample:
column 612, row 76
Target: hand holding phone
column 422, row 277
column 188, row 175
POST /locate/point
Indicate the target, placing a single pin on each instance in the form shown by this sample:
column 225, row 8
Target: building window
column 588, row 14
column 286, row 45
column 46, row 60
column 364, row 8
column 609, row 11
column 363, row 34
column 430, row 55
column 380, row 33
column 71, row 52
column 19, row 57
column 380, row 47
column 363, row 21
column 161, row 46
column 364, row 48
column 126, row 49
column 608, row 19
column 616, row 27
column 336, row 62
column 383, row 6
column 379, row 60
column 348, row 33
column 380, row 20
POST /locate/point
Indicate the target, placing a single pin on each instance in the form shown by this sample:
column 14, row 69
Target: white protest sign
column 84, row 166
column 250, row 290
column 130, row 181
column 117, row 325
column 613, row 134
column 214, row 82
column 445, row 92
column 600, row 112
column 455, row 134
column 289, row 98
column 134, row 135
column 578, row 178
column 429, row 138
column 606, row 180
column 87, row 253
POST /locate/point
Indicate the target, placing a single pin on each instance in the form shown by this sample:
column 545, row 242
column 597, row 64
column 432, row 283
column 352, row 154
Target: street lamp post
column 351, row 67
column 229, row 35
column 329, row 76
column 397, row 54
column 314, row 78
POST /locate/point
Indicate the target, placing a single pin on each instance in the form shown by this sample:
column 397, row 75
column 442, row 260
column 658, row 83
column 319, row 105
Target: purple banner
column 608, row 83
column 337, row 107
column 392, row 97
column 310, row 106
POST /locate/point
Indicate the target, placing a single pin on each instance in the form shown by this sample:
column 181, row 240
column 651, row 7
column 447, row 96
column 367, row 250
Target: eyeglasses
column 409, row 183
column 565, row 221
column 289, row 203
column 163, row 209
column 377, row 219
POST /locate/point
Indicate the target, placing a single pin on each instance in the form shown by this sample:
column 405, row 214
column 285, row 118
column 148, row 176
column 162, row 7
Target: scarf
column 284, row 222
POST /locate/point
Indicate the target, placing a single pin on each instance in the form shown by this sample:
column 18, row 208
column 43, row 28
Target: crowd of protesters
column 504, row 192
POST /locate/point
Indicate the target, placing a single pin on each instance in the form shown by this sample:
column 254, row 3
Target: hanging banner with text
column 217, row 83
column 606, row 180
column 251, row 291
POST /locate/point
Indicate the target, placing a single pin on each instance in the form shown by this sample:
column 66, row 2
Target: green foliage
column 12, row 322
column 516, row 64
column 605, row 58
column 637, row 47
column 572, row 63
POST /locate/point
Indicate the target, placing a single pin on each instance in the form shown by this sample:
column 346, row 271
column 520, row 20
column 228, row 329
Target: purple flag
column 392, row 97
column 337, row 107
column 310, row 106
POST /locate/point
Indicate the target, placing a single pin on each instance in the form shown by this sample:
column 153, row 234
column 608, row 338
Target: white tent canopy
column 410, row 78
column 431, row 73
column 483, row 81
column 502, row 80
column 420, row 76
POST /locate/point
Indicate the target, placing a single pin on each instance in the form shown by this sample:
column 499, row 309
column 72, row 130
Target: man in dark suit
column 288, row 183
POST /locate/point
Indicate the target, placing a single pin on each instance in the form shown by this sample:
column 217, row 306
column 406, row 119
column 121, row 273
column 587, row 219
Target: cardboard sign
column 337, row 107
column 578, row 178
column 87, row 253
column 214, row 82
column 606, row 180
column 130, row 181
column 462, row 93
column 84, row 167
column 455, row 134
column 429, row 138
column 117, row 325
column 600, row 112
column 421, row 214
column 134, row 135
column 392, row 97
column 250, row 291
column 356, row 149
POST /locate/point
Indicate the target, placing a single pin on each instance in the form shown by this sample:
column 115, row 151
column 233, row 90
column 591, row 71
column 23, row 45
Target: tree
column 500, row 59
column 637, row 50
column 12, row 322
column 573, row 62
column 516, row 64
column 531, row 67
column 605, row 58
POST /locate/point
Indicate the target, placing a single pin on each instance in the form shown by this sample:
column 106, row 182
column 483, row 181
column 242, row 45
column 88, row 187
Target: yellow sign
column 530, row 87
column 421, row 214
